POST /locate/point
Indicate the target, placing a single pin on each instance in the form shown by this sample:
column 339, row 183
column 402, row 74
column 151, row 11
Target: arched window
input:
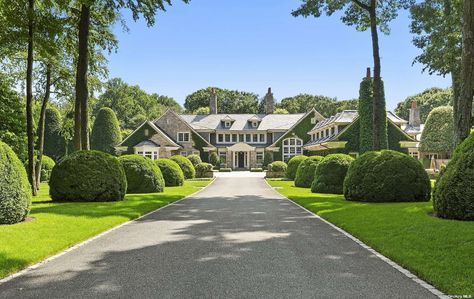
column 292, row 147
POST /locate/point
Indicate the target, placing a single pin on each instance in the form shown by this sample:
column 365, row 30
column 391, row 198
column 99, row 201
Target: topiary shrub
column 54, row 142
column 143, row 175
column 330, row 173
column 453, row 196
column 386, row 176
column 15, row 190
column 172, row 173
column 204, row 170
column 305, row 172
column 88, row 176
column 293, row 164
column 267, row 159
column 185, row 165
column 195, row 159
column 276, row 169
column 437, row 136
column 47, row 165
column 214, row 159
column 106, row 131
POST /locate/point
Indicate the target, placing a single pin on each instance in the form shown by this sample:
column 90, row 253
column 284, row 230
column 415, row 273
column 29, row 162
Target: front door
column 241, row 160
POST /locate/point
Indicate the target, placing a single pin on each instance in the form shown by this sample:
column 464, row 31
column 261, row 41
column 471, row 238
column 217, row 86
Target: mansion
column 242, row 140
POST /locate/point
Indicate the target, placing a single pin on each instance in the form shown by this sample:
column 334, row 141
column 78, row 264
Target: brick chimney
column 414, row 119
column 368, row 73
column 269, row 102
column 213, row 102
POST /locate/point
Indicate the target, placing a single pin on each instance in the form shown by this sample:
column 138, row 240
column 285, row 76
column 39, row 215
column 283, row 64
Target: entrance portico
column 240, row 154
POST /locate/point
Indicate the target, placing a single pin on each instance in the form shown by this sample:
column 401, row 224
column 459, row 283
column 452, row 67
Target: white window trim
column 227, row 124
column 142, row 150
column 183, row 140
column 245, row 140
column 298, row 149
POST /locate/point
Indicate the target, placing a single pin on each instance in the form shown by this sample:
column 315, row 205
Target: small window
column 146, row 132
column 241, row 137
column 227, row 124
column 227, row 137
column 248, row 138
column 262, row 138
column 183, row 137
column 254, row 124
column 255, row 137
column 234, row 137
column 184, row 154
column 333, row 130
column 220, row 138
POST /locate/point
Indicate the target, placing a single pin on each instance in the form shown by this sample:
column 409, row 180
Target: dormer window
column 227, row 121
column 227, row 124
column 254, row 124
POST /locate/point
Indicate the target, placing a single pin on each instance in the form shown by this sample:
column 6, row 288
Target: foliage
column 303, row 103
column 202, row 111
column 300, row 130
column 366, row 116
column 204, row 170
column 330, row 173
column 267, row 159
column 438, row 134
column 185, row 165
column 280, row 111
column 386, row 176
column 15, row 194
column 172, row 173
column 88, row 176
column 131, row 104
column 143, row 175
column 406, row 233
column 199, row 144
column 278, row 166
column 228, row 101
column 426, row 101
column 13, row 121
column 453, row 196
column 47, row 165
column 195, row 159
column 54, row 142
column 214, row 159
column 305, row 172
column 293, row 164
column 225, row 169
column 256, row 169
column 106, row 131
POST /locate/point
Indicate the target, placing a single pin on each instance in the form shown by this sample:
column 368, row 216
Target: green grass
column 57, row 226
column 437, row 250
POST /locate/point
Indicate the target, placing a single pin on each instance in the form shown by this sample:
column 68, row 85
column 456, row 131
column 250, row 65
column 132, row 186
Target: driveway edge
column 87, row 241
column 404, row 271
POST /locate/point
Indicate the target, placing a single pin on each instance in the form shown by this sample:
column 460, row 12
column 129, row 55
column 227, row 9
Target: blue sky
column 255, row 44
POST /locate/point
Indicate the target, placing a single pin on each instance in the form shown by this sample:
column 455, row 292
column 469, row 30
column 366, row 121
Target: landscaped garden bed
column 439, row 251
column 52, row 227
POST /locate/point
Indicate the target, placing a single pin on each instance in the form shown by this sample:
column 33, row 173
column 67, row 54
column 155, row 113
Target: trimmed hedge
column 185, row 165
column 453, row 196
column 106, row 131
column 15, row 190
column 225, row 170
column 330, row 173
column 386, row 176
column 293, row 164
column 143, row 175
column 195, row 159
column 204, row 170
column 88, row 176
column 172, row 173
column 305, row 173
column 278, row 166
column 257, row 169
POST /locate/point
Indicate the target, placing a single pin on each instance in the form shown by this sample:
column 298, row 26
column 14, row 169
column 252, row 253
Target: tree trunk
column 41, row 125
column 29, row 100
column 378, row 100
column 81, row 117
column 462, row 117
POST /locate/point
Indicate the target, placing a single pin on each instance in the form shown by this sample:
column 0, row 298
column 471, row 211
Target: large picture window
column 292, row 147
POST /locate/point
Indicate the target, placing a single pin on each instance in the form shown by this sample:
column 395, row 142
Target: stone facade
column 172, row 124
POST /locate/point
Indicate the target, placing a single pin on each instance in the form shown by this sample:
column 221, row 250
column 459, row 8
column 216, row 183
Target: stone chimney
column 269, row 102
column 213, row 102
column 414, row 119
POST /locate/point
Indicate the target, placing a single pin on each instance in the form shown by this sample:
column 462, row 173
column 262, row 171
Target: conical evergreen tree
column 106, row 131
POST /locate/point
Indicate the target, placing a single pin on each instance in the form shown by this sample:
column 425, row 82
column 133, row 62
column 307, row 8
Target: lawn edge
column 93, row 238
column 387, row 260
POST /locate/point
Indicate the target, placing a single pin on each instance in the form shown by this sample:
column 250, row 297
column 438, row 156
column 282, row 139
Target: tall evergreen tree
column 106, row 131
column 54, row 143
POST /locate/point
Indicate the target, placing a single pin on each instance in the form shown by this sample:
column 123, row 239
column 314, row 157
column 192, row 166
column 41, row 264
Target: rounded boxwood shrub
column 305, row 172
column 15, row 190
column 88, row 176
column 386, row 176
column 172, row 173
column 143, row 175
column 195, row 159
column 204, row 170
column 278, row 166
column 293, row 164
column 453, row 196
column 185, row 165
column 330, row 173
column 214, row 159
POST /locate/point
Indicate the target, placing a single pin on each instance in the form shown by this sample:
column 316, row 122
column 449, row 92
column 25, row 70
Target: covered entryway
column 240, row 153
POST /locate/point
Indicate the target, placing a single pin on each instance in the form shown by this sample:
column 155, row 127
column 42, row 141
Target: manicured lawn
column 57, row 226
column 439, row 251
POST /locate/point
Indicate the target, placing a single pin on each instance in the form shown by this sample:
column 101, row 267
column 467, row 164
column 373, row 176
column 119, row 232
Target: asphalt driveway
column 236, row 239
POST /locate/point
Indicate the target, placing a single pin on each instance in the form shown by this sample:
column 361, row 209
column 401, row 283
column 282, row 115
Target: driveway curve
column 238, row 238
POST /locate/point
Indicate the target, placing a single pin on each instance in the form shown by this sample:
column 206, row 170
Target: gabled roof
column 147, row 143
column 344, row 117
column 156, row 129
column 277, row 122
column 228, row 118
column 395, row 119
column 255, row 117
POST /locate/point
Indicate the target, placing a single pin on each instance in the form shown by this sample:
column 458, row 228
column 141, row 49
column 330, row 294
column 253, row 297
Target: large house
column 242, row 140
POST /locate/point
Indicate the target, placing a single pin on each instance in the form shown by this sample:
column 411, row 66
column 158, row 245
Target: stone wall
column 171, row 124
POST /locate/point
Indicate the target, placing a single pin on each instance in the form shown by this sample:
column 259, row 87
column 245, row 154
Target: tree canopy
column 228, row 101
column 427, row 101
column 327, row 106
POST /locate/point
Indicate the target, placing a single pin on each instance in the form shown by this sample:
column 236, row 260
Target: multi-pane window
column 259, row 159
column 152, row 154
column 183, row 137
column 227, row 138
column 292, row 147
column 223, row 158
column 242, row 137
column 262, row 138
column 220, row 138
column 234, row 137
